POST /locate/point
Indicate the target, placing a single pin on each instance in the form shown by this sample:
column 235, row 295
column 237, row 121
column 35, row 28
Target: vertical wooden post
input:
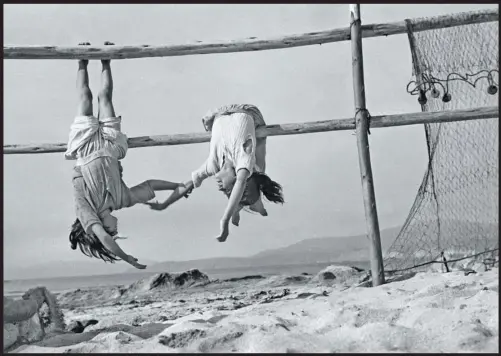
column 362, row 126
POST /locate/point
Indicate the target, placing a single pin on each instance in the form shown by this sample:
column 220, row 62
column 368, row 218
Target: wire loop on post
column 359, row 110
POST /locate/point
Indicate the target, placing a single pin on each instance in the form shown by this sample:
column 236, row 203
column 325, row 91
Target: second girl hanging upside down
column 237, row 160
column 97, row 144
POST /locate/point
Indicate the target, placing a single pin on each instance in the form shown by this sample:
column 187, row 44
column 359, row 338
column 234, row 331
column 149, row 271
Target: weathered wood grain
column 243, row 45
column 283, row 129
column 364, row 157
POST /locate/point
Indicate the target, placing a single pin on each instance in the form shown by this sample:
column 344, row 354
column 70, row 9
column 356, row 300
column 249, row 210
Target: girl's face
column 226, row 178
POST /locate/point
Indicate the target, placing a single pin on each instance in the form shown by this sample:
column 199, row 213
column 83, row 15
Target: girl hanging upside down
column 237, row 161
column 97, row 145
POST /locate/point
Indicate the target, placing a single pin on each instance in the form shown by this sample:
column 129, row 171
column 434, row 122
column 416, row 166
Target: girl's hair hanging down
column 271, row 190
column 261, row 183
column 89, row 244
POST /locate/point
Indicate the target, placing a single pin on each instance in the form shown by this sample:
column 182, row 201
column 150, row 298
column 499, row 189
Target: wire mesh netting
column 456, row 208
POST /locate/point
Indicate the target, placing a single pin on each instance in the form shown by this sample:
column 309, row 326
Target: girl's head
column 89, row 244
column 226, row 178
column 256, row 184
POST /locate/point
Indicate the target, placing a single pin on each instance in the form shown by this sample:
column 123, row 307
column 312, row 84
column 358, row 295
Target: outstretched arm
column 111, row 245
column 207, row 169
column 158, row 185
column 182, row 190
column 233, row 203
column 145, row 191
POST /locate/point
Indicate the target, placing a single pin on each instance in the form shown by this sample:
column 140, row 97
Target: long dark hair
column 271, row 190
column 89, row 244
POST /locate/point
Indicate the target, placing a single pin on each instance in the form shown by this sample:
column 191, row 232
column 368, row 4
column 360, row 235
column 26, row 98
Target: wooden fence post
column 362, row 127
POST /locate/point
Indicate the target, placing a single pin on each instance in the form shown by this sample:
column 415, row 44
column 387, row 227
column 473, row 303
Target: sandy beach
column 331, row 311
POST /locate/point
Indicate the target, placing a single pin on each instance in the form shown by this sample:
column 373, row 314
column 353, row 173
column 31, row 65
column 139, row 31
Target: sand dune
column 428, row 312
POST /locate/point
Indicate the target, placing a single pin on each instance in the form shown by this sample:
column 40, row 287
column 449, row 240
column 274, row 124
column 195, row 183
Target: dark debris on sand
column 193, row 292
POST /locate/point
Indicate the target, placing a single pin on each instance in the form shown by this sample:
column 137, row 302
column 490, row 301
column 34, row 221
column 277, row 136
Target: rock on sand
column 428, row 312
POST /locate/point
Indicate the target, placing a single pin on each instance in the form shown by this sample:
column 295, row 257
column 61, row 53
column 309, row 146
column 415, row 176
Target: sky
column 319, row 172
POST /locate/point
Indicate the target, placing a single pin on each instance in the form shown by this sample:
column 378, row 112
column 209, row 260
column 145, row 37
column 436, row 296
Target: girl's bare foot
column 83, row 62
column 107, row 61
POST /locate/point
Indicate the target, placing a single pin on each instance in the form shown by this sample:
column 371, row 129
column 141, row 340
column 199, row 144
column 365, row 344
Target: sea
column 16, row 288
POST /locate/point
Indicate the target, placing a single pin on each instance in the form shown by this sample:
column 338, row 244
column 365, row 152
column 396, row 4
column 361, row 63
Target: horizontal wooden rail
column 285, row 129
column 244, row 45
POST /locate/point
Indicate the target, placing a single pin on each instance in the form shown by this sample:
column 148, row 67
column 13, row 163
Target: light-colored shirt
column 99, row 189
column 229, row 134
column 90, row 138
column 97, row 176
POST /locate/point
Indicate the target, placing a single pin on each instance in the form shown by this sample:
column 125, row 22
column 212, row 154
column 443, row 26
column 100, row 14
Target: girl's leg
column 261, row 153
column 104, row 97
column 260, row 142
column 83, row 90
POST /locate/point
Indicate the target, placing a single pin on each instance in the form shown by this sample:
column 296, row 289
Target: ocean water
column 16, row 288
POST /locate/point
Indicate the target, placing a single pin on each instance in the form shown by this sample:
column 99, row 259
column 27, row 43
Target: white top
column 91, row 138
column 229, row 134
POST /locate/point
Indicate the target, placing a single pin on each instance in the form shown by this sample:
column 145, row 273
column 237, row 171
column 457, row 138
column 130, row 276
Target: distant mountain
column 322, row 249
column 314, row 250
column 93, row 267
column 352, row 248
column 336, row 249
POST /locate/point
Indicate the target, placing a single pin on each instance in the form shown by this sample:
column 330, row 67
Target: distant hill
column 92, row 267
column 324, row 249
column 332, row 249
column 321, row 249
column 313, row 250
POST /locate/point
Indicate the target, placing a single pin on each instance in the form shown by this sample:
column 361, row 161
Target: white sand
column 430, row 312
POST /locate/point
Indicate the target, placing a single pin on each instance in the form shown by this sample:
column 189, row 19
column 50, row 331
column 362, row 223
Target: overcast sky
column 319, row 172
